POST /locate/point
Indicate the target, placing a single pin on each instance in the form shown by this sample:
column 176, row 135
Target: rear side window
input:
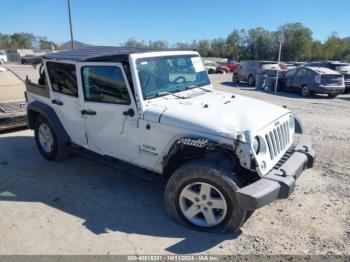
column 105, row 84
column 63, row 78
column 302, row 72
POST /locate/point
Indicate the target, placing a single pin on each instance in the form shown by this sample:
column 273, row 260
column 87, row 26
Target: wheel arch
column 189, row 148
column 36, row 108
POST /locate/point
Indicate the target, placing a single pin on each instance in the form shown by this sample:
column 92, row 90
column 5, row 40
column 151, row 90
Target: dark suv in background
column 341, row 67
column 312, row 80
column 249, row 69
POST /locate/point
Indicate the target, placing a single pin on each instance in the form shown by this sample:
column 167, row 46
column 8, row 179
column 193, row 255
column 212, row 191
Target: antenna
column 70, row 25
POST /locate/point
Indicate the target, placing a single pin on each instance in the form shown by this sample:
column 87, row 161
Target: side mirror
column 130, row 112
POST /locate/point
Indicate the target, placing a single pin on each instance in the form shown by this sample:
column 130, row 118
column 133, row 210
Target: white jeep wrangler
column 155, row 112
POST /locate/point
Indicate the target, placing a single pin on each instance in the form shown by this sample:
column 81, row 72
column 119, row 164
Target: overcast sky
column 111, row 22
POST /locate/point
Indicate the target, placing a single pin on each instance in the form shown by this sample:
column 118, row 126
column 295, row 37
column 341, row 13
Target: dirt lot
column 80, row 207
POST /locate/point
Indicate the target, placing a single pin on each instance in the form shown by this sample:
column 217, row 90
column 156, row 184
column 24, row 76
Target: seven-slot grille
column 278, row 139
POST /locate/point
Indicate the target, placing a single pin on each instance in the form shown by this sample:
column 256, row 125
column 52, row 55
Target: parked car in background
column 296, row 64
column 12, row 101
column 230, row 65
column 249, row 69
column 3, row 57
column 210, row 67
column 214, row 68
column 287, row 66
column 222, row 69
column 341, row 67
column 313, row 80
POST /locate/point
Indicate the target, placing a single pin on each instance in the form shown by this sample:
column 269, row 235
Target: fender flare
column 36, row 108
column 187, row 148
column 298, row 125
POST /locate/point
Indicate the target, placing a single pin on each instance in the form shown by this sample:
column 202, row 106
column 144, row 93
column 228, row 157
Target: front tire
column 201, row 195
column 47, row 141
column 235, row 80
column 251, row 80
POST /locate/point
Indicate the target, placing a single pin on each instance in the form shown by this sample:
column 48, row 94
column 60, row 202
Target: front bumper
column 279, row 182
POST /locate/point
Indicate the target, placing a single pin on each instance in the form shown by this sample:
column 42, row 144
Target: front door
column 288, row 79
column 109, row 111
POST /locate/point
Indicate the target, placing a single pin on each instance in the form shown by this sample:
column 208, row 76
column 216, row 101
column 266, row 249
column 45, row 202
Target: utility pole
column 70, row 26
column 280, row 40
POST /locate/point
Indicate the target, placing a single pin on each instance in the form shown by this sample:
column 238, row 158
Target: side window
column 105, row 84
column 310, row 73
column 290, row 73
column 301, row 73
column 63, row 78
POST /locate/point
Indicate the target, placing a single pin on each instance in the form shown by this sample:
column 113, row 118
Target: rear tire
column 211, row 71
column 217, row 210
column 332, row 95
column 305, row 91
column 47, row 141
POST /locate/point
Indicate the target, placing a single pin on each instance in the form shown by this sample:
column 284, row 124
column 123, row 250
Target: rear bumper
column 279, row 182
column 322, row 89
column 347, row 87
column 12, row 121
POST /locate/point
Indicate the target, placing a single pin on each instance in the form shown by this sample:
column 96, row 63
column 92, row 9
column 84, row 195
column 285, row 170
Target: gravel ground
column 80, row 207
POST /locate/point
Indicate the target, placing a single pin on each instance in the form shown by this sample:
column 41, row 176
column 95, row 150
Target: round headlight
column 291, row 122
column 256, row 145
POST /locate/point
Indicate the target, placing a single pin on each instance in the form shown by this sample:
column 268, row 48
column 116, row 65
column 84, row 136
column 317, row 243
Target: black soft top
column 100, row 54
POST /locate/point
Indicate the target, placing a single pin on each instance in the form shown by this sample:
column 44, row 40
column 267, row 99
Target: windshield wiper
column 202, row 88
column 159, row 94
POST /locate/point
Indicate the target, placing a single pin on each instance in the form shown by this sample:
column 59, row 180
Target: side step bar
column 123, row 167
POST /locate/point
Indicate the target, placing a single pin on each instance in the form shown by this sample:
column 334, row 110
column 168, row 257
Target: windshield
column 343, row 69
column 170, row 74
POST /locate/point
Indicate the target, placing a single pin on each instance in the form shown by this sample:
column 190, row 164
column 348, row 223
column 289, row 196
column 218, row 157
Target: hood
column 213, row 112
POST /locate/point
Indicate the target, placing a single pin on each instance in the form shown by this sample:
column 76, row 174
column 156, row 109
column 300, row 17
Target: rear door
column 65, row 101
column 299, row 79
column 109, row 111
column 288, row 79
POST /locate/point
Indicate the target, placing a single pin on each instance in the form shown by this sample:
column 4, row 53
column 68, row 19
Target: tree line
column 259, row 43
column 240, row 44
column 26, row 41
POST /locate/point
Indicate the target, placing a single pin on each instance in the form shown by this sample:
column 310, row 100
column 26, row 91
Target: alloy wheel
column 202, row 204
column 45, row 138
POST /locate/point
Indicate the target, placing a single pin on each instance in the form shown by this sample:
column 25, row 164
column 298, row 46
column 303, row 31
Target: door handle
column 88, row 112
column 57, row 102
